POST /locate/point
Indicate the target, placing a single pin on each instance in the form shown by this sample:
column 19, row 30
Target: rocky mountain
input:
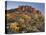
column 24, row 19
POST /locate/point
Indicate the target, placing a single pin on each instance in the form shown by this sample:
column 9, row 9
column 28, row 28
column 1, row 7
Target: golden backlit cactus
column 13, row 26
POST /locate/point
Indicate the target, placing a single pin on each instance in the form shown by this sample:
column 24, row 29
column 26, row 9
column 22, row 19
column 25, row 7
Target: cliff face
column 27, row 8
column 26, row 19
column 24, row 9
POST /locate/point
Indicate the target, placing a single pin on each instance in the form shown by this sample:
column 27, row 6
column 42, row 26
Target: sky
column 15, row 4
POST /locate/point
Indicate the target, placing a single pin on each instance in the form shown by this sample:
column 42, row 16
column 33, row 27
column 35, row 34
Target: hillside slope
column 24, row 19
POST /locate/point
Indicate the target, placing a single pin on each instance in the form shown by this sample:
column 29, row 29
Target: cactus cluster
column 24, row 19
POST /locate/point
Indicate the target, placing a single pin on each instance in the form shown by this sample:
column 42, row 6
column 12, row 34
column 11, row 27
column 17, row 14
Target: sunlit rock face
column 25, row 19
